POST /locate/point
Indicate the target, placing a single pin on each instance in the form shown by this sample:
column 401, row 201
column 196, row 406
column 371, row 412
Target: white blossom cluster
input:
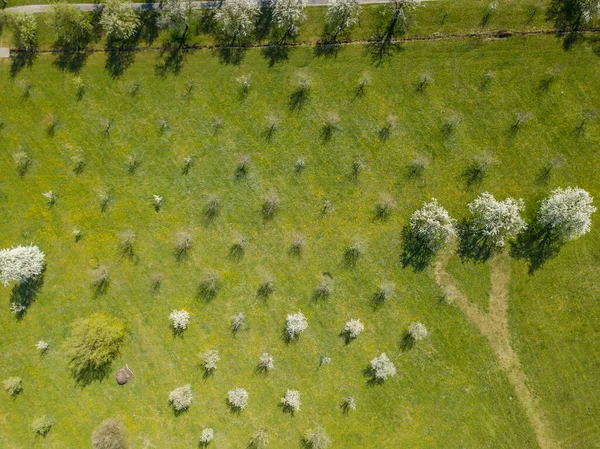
column 20, row 263
column 589, row 9
column 433, row 223
column 173, row 14
column 496, row 220
column 157, row 201
column 353, row 328
column 291, row 400
column 210, row 359
column 180, row 319
column 296, row 324
column 181, row 397
column 568, row 212
column 207, row 436
column 17, row 308
column 50, row 196
column 382, row 367
column 119, row 21
column 417, row 331
column 238, row 398
column 342, row 14
column 349, row 403
column 266, row 362
column 237, row 17
column 42, row 346
column 287, row 15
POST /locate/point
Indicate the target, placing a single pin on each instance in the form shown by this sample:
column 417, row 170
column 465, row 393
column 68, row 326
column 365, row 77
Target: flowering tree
column 566, row 213
column 119, row 21
column 180, row 319
column 291, row 401
column 20, row 264
column 206, row 436
column 381, row 367
column 287, row 15
column 266, row 362
column 181, row 397
column 209, row 360
column 353, row 328
column 296, row 324
column 173, row 15
column 110, row 435
column 42, row 346
column 430, row 229
column 341, row 15
column 24, row 26
column 71, row 27
column 398, row 14
column 417, row 331
column 236, row 18
column 237, row 398
column 317, row 438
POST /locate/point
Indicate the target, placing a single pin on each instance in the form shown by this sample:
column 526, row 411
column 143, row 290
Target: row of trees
column 564, row 215
column 236, row 21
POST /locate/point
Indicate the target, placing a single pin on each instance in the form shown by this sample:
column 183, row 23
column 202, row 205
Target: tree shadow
column 473, row 246
column 568, row 19
column 87, row 374
column 170, row 60
column 416, row 251
column 20, row 60
column 372, row 379
column 276, row 52
column 381, row 51
column 118, row 61
column 536, row 245
column 298, row 98
column 474, row 174
column 236, row 251
column 148, row 30
column 407, row 342
column 71, row 61
column 24, row 294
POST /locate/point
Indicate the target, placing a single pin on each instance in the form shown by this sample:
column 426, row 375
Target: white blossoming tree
column 341, row 16
column 429, row 230
column 209, row 360
column 566, row 213
column 382, row 367
column 417, row 331
column 353, row 328
column 291, row 401
column 206, row 436
column 173, row 15
column 181, row 398
column 119, row 21
column 180, row 319
column 287, row 16
column 296, row 324
column 492, row 222
column 398, row 14
column 266, row 362
column 237, row 398
column 20, row 264
column 236, row 18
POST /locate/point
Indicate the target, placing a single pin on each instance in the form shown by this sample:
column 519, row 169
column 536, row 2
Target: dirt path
column 494, row 326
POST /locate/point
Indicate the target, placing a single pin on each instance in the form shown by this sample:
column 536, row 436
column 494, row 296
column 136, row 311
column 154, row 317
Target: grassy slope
column 449, row 392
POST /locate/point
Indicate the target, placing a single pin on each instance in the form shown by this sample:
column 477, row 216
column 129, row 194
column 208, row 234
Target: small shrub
column 243, row 166
column 26, row 89
column 50, row 197
column 291, row 401
column 238, row 247
column 209, row 360
column 183, row 244
column 317, row 438
column 212, row 207
column 101, row 280
column 324, row 360
column 386, row 130
column 478, row 169
column 451, row 125
column 353, row 253
column 77, row 234
column 22, row 161
column 206, row 436
column 157, row 202
column 330, row 125
column 78, row 163
column 110, row 435
column 106, row 124
column 520, row 119
column 210, row 285
column 134, row 88
column 488, row 78
column 272, row 125
column 190, row 85
column 42, row 346
column 244, row 82
column 270, row 206
column 358, row 165
column 180, row 319
column 363, row 83
column 265, row 289
column 381, row 368
column 327, row 207
column 385, row 206
column 301, row 92
column 349, row 404
column 187, row 165
column 105, row 197
column 156, row 282
column 126, row 242
column 237, row 398
column 295, row 324
column 216, row 125
column 13, row 385
column 300, row 165
column 41, row 426
column 425, row 80
column 80, row 87
column 133, row 162
column 384, row 292
column 417, row 166
column 259, row 440
column 324, row 287
column 266, row 362
column 298, row 245
column 163, row 126
column 181, row 398
column 353, row 328
column 237, row 321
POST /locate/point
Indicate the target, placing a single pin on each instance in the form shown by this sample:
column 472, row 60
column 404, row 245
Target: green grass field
column 449, row 391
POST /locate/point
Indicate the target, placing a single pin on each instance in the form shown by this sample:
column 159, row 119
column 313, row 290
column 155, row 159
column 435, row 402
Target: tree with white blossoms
column 266, row 362
column 341, row 15
column 173, row 15
column 353, row 328
column 206, row 436
column 382, row 367
column 237, row 398
column 429, row 230
column 566, row 213
column 398, row 14
column 180, row 319
column 119, row 21
column 20, row 264
column 181, row 398
column 25, row 30
column 296, row 324
column 492, row 222
column 291, row 401
column 42, row 346
column 236, row 18
column 417, row 331
column 209, row 360
column 287, row 16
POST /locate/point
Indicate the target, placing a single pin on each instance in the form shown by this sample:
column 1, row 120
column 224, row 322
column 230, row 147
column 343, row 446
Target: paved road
column 88, row 7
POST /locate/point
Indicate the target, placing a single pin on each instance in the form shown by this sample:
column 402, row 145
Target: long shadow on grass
column 118, row 61
column 416, row 251
column 473, row 246
column 536, row 245
column 23, row 295
column 85, row 375
column 20, row 60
